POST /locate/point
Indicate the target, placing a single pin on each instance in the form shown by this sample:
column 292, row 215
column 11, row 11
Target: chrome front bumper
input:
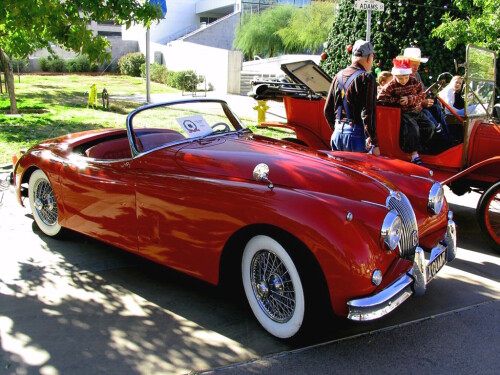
column 413, row 282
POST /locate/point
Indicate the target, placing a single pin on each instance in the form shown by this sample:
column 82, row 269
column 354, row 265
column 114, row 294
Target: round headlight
column 436, row 198
column 391, row 230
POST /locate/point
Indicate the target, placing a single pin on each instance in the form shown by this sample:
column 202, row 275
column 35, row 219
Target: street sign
column 373, row 5
column 162, row 4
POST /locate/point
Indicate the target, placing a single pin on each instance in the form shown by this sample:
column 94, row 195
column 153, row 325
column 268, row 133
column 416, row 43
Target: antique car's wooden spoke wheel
column 43, row 203
column 273, row 287
column 488, row 210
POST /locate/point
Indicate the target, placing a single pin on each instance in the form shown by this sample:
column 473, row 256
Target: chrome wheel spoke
column 46, row 204
column 273, row 287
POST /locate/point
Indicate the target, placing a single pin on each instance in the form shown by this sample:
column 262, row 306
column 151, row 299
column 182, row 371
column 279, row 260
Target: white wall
column 181, row 15
column 220, row 67
column 208, row 5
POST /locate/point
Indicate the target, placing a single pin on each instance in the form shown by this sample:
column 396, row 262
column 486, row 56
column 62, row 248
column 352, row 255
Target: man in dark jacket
column 350, row 106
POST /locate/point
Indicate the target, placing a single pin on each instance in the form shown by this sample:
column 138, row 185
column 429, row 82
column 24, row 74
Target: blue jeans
column 348, row 138
column 435, row 114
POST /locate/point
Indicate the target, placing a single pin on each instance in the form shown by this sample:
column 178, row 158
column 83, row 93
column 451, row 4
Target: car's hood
column 290, row 166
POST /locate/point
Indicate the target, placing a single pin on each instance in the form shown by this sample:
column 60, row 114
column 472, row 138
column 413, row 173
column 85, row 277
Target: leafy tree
column 257, row 34
column 285, row 28
column 481, row 27
column 306, row 29
column 401, row 24
column 27, row 25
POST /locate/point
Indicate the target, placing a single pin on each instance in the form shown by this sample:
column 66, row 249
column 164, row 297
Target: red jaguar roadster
column 188, row 186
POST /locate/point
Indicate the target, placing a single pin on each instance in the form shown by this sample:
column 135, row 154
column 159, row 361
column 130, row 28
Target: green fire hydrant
column 261, row 109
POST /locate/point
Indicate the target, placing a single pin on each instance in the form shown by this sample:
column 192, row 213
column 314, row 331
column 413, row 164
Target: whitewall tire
column 43, row 203
column 273, row 287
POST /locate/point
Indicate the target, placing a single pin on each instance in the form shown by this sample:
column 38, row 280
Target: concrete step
column 247, row 77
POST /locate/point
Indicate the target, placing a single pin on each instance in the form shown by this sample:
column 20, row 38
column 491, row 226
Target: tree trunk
column 9, row 79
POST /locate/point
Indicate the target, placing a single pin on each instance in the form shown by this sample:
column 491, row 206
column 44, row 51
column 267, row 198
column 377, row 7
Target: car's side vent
column 409, row 228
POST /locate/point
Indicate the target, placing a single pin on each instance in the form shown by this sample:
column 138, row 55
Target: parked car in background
column 302, row 231
column 470, row 163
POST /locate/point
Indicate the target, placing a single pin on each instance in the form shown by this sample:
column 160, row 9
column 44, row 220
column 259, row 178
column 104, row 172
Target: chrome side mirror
column 261, row 173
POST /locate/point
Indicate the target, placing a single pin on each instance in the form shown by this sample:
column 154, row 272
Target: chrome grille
column 409, row 229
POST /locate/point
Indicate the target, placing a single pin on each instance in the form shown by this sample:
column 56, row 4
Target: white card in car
column 195, row 126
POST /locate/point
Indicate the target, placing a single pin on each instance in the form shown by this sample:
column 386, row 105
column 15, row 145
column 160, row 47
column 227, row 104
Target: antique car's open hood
column 290, row 166
column 309, row 80
column 309, row 74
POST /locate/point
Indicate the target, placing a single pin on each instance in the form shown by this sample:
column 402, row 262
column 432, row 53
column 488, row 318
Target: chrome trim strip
column 415, row 281
column 376, row 204
column 382, row 303
column 423, row 178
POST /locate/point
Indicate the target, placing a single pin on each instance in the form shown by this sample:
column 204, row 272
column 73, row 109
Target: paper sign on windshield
column 195, row 126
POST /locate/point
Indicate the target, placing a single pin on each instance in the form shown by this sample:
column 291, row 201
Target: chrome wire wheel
column 43, row 203
column 273, row 287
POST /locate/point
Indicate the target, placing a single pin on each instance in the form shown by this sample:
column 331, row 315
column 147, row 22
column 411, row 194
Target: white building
column 198, row 35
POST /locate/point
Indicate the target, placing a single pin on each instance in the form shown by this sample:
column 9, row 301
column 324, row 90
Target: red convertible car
column 188, row 186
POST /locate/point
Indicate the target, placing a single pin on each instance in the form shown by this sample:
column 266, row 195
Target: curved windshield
column 481, row 74
column 170, row 123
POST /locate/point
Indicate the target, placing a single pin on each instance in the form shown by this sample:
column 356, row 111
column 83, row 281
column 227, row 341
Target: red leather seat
column 114, row 149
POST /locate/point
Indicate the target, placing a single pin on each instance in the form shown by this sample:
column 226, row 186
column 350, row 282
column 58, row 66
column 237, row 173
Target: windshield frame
column 474, row 78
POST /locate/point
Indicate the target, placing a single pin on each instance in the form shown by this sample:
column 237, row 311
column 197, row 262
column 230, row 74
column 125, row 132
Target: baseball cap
column 362, row 48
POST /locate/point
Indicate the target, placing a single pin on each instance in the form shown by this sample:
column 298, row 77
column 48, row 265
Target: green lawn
column 65, row 99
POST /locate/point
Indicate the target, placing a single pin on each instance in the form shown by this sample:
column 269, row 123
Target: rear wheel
column 488, row 212
column 273, row 287
column 43, row 204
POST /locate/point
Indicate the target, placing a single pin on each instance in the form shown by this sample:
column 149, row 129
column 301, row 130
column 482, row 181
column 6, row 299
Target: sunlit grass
column 64, row 97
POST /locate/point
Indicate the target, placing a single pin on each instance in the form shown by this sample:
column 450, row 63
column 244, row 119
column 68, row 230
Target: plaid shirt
column 361, row 99
column 393, row 91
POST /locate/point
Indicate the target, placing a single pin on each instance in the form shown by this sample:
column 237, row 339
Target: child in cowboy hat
column 408, row 92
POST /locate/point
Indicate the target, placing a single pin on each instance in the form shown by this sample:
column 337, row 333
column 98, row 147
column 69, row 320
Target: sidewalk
column 241, row 105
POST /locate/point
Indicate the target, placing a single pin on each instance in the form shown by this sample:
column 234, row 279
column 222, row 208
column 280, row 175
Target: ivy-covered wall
column 401, row 25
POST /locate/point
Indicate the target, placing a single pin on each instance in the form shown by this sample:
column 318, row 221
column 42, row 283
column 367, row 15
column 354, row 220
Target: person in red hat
column 408, row 92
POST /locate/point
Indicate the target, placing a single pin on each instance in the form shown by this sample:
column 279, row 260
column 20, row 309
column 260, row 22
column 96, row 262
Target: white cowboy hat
column 414, row 54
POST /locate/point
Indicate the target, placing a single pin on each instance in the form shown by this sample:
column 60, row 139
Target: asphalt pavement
column 463, row 341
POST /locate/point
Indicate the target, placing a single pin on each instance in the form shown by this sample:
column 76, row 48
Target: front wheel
column 488, row 212
column 273, row 287
column 43, row 204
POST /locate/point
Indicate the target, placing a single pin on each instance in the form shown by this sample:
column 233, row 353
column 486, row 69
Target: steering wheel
column 225, row 127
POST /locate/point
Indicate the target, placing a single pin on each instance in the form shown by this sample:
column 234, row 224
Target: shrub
column 52, row 64
column 22, row 63
column 57, row 64
column 185, row 80
column 130, row 64
column 79, row 64
column 158, row 73
column 44, row 63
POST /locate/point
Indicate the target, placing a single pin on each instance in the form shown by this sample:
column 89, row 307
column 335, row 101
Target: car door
column 99, row 198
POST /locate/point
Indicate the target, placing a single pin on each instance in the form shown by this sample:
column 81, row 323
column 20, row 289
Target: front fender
column 343, row 235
